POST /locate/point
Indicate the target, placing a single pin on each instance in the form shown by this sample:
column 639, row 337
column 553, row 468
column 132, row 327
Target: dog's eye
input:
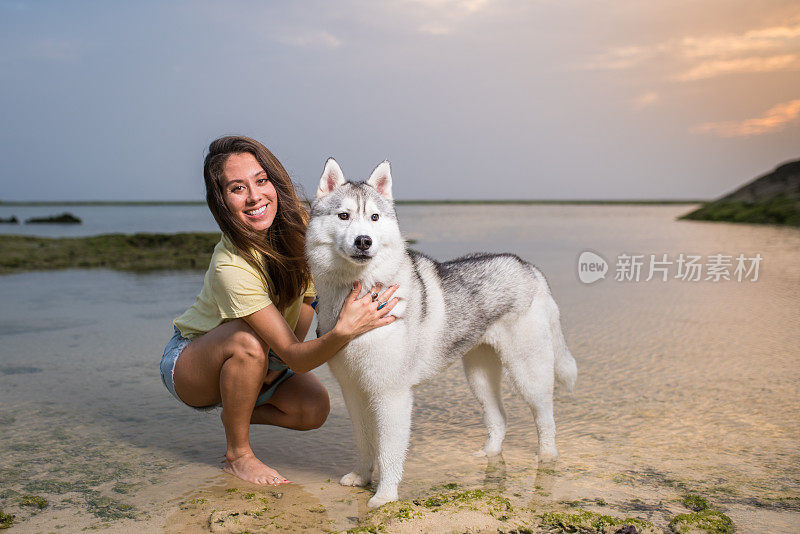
column 374, row 216
column 344, row 216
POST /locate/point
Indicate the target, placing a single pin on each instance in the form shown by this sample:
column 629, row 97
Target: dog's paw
column 488, row 451
column 377, row 501
column 353, row 479
column 548, row 455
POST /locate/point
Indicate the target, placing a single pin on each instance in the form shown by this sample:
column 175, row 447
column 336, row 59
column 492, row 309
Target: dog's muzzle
column 360, row 258
column 362, row 244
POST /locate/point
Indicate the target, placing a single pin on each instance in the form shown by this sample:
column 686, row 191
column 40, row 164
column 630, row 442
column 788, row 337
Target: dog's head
column 357, row 219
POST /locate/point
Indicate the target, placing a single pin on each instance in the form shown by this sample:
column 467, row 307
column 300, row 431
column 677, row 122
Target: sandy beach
column 686, row 399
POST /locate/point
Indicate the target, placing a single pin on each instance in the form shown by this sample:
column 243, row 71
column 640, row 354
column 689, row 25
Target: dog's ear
column 332, row 178
column 381, row 179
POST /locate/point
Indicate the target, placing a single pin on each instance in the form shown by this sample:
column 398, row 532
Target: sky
column 468, row 99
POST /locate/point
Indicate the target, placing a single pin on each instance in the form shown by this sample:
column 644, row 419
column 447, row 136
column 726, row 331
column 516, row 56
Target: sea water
column 683, row 387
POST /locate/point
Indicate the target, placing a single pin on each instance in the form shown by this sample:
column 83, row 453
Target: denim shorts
column 173, row 350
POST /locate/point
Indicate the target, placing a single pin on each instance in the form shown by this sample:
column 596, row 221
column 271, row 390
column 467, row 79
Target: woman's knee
column 314, row 410
column 245, row 344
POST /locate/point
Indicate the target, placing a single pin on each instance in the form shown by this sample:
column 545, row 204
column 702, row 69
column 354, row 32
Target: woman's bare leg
column 228, row 364
column 300, row 403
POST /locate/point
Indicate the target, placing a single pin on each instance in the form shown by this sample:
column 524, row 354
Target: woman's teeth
column 259, row 211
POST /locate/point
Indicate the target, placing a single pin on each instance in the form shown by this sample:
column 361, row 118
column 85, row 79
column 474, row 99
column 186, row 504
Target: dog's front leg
column 393, row 423
column 363, row 421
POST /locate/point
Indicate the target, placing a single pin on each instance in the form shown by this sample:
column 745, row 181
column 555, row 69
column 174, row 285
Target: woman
column 240, row 344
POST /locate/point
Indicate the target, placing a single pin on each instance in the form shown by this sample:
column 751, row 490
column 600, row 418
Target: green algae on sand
column 695, row 503
column 6, row 520
column 70, row 472
column 108, row 508
column 122, row 252
column 587, row 522
column 136, row 252
column 487, row 510
column 703, row 522
column 34, row 501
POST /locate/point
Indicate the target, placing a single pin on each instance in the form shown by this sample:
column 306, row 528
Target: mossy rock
column 586, row 522
column 695, row 503
column 366, row 530
column 495, row 501
column 703, row 522
column 482, row 510
column 34, row 501
column 6, row 520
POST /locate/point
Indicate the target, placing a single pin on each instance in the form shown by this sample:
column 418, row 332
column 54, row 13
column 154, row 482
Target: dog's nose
column 363, row 242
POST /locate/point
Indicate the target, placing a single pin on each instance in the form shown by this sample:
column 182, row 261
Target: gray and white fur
column 491, row 311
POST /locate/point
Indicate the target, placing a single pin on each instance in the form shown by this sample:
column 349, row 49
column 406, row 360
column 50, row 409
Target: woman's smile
column 256, row 212
column 248, row 191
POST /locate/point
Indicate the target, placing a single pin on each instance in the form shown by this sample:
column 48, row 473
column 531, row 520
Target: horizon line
column 400, row 202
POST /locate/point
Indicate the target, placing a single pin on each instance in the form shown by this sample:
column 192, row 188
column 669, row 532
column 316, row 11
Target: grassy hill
column 773, row 198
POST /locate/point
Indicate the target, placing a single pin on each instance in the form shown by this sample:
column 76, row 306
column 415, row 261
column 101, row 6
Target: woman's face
column 248, row 193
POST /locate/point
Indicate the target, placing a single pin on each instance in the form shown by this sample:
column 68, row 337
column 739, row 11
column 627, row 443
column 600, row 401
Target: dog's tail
column 566, row 369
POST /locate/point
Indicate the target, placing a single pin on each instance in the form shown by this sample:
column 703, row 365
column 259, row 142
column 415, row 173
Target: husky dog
column 491, row 311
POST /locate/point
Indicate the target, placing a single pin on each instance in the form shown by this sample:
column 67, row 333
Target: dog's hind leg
column 527, row 352
column 484, row 373
column 363, row 421
column 393, row 417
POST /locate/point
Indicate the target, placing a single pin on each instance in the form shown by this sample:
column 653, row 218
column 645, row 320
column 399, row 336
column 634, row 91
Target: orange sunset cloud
column 776, row 118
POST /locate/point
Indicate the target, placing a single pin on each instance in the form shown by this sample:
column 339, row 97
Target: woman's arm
column 358, row 315
column 304, row 321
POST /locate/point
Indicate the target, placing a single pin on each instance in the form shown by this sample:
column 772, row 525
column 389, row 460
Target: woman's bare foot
column 251, row 469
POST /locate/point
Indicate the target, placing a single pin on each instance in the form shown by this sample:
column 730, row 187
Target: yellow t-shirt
column 232, row 288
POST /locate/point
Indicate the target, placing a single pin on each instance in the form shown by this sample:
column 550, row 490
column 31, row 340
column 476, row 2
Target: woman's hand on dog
column 361, row 315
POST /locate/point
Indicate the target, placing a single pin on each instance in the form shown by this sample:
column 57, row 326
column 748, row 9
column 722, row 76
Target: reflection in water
column 682, row 387
column 495, row 473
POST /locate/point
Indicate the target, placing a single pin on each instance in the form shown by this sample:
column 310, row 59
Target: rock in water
column 773, row 198
column 64, row 218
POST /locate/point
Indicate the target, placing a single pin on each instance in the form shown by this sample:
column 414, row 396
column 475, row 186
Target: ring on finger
column 382, row 304
column 374, row 296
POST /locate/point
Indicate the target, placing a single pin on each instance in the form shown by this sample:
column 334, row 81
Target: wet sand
column 683, row 388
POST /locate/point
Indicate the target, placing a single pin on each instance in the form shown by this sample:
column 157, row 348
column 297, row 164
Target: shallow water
column 683, row 387
column 125, row 219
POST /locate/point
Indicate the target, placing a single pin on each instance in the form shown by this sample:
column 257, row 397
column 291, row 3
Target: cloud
column 463, row 6
column 435, row 28
column 776, row 118
column 443, row 16
column 645, row 99
column 718, row 67
column 761, row 40
column 691, row 58
column 621, row 58
column 321, row 39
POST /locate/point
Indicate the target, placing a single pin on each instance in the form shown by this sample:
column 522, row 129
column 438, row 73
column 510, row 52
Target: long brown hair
column 278, row 253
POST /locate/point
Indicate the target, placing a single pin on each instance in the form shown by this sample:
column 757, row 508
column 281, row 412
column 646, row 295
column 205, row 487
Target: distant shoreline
column 22, row 203
column 141, row 252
